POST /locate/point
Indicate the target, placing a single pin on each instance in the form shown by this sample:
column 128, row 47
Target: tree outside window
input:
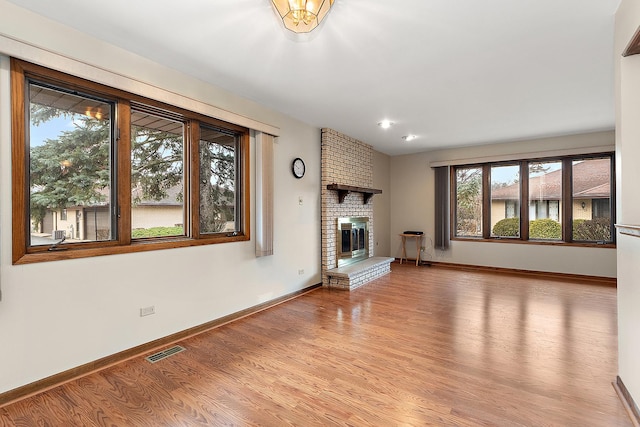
column 469, row 202
column 101, row 171
column 69, row 161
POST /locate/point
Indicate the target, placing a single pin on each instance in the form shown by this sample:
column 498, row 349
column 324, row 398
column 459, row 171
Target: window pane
column 469, row 202
column 505, row 201
column 592, row 200
column 69, row 167
column 545, row 200
column 218, row 175
column 157, row 183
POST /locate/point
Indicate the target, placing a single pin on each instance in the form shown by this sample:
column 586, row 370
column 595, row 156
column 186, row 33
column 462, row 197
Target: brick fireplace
column 348, row 163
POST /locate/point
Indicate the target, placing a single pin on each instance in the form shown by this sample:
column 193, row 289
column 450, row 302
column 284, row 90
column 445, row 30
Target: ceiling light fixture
column 385, row 124
column 409, row 137
column 302, row 16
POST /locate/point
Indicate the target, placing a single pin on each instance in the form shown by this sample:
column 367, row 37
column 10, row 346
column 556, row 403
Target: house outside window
column 591, row 213
column 505, row 205
column 569, row 199
column 544, row 209
column 157, row 173
column 600, row 208
column 511, row 209
column 545, row 200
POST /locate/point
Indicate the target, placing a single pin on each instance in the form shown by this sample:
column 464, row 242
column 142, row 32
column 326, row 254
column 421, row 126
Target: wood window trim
column 23, row 254
column 567, row 192
column 524, row 204
column 518, row 241
column 486, row 201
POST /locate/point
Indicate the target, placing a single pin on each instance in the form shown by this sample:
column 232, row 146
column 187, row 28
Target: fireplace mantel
column 343, row 190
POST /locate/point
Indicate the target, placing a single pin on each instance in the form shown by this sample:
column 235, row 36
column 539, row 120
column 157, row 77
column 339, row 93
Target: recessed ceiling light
column 385, row 124
column 409, row 137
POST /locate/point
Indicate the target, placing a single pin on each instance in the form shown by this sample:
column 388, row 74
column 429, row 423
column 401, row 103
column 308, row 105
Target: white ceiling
column 452, row 72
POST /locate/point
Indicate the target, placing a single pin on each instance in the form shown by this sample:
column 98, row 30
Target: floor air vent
column 165, row 353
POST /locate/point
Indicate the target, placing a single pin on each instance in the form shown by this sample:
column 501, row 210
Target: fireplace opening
column 352, row 240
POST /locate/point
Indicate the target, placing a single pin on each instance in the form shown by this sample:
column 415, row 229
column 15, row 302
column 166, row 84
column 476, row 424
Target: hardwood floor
column 421, row 346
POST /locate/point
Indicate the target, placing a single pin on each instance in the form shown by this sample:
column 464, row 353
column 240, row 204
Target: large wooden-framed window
column 547, row 201
column 98, row 171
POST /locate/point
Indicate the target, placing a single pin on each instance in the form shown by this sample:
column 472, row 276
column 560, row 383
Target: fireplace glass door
column 353, row 240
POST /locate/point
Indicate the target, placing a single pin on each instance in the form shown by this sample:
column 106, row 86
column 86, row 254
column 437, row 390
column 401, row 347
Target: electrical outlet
column 300, row 272
column 146, row 311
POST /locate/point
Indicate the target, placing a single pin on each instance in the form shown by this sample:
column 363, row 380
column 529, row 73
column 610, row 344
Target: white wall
column 381, row 208
column 628, row 177
column 412, row 198
column 58, row 315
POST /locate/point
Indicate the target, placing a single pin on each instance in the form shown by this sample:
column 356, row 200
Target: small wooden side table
column 418, row 238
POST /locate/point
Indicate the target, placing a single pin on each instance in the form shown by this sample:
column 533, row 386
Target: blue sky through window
column 51, row 129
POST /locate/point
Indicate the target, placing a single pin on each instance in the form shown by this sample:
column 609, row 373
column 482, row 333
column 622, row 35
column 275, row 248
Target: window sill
column 535, row 242
column 69, row 252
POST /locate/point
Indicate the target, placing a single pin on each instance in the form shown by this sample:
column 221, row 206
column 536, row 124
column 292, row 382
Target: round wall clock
column 298, row 168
